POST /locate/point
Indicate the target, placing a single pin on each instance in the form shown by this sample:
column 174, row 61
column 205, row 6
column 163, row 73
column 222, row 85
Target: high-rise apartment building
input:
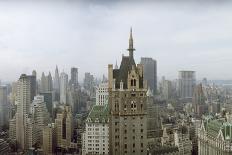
column 102, row 94
column 186, row 84
column 63, row 88
column 127, row 102
column 40, row 117
column 150, row 73
column 23, row 109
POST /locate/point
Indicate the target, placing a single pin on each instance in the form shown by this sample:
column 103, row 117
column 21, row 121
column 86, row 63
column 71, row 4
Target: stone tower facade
column 127, row 103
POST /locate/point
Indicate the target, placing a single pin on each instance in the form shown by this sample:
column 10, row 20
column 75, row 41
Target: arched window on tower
column 132, row 82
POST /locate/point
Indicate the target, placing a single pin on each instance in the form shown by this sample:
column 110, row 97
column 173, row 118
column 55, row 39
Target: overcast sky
column 180, row 35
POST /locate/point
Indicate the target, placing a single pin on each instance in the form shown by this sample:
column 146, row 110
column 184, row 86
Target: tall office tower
column 49, row 143
column 74, row 78
column 128, row 103
column 63, row 88
column 40, row 117
column 46, row 83
column 23, row 109
column 95, row 139
column 186, row 84
column 48, row 101
column 57, row 84
column 4, row 106
column 167, row 89
column 64, row 127
column 150, row 73
column 33, row 85
column 198, row 101
column 102, row 94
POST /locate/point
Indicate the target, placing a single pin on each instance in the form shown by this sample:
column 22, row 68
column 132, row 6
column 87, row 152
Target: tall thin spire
column 131, row 46
column 116, row 65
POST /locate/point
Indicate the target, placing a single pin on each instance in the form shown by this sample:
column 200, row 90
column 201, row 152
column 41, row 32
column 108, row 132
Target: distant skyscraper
column 23, row 109
column 150, row 72
column 74, row 77
column 57, row 85
column 63, row 88
column 4, row 106
column 46, row 83
column 127, row 102
column 166, row 89
column 198, row 100
column 89, row 83
column 186, row 84
column 57, row 79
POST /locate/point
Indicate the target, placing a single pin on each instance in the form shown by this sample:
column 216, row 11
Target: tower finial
column 116, row 65
column 131, row 46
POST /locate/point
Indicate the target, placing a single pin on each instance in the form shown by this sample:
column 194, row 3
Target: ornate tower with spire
column 127, row 107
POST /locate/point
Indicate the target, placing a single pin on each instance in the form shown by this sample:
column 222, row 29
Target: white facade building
column 102, row 94
column 96, row 136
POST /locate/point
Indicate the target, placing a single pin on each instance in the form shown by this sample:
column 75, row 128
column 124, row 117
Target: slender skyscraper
column 150, row 73
column 33, row 84
column 23, row 109
column 74, row 78
column 63, row 87
column 57, row 84
column 4, row 107
column 57, row 80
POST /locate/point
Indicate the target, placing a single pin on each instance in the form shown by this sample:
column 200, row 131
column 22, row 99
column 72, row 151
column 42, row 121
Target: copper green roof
column 214, row 126
column 99, row 114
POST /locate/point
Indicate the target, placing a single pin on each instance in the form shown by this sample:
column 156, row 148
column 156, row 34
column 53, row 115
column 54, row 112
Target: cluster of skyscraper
column 127, row 113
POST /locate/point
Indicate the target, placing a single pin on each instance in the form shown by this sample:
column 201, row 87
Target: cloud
column 90, row 35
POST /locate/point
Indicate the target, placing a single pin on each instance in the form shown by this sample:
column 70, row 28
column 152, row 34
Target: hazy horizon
column 90, row 35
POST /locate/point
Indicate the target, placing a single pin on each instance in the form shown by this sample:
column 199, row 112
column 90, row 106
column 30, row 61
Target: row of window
column 117, row 137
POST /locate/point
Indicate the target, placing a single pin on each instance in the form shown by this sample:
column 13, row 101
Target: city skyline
column 179, row 36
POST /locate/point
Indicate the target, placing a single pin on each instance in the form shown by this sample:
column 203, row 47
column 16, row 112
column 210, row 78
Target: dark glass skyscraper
column 74, row 77
column 150, row 72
